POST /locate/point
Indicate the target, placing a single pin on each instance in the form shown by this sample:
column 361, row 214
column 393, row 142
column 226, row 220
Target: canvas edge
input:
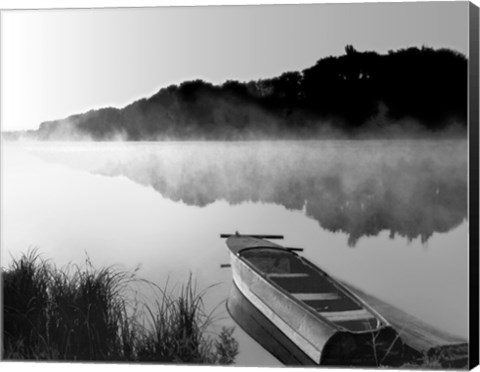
column 473, row 114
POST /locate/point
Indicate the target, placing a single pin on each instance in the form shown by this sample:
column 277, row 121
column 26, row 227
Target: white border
column 46, row 4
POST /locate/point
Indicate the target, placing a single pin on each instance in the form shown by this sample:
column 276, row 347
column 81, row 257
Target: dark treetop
column 358, row 93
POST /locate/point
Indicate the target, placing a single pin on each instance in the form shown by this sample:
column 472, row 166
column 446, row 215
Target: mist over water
column 386, row 216
column 408, row 188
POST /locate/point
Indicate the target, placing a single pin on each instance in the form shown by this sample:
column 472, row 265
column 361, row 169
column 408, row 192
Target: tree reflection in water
column 360, row 188
column 411, row 188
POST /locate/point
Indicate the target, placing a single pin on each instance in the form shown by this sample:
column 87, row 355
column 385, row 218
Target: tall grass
column 84, row 313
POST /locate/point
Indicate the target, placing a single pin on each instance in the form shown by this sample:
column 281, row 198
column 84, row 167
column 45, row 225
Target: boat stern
column 382, row 347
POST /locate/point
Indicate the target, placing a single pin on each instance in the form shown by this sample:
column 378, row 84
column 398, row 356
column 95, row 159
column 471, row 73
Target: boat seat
column 308, row 283
column 316, row 296
column 339, row 316
column 287, row 275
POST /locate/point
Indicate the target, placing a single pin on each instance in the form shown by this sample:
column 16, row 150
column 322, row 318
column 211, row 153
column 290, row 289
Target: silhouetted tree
column 419, row 83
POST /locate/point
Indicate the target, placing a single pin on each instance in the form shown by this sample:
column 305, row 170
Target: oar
column 253, row 236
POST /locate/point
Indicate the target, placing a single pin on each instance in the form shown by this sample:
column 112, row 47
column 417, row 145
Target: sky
column 55, row 63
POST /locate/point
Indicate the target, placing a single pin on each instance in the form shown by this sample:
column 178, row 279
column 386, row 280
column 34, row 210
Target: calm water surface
column 386, row 216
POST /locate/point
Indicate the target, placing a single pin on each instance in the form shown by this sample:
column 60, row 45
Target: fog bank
column 409, row 188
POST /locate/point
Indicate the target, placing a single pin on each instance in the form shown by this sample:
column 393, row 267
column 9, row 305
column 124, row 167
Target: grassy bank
column 84, row 313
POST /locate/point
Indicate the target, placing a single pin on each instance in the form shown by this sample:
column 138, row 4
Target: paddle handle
column 294, row 249
column 253, row 236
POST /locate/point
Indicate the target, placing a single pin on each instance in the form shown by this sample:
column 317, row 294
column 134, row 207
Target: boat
column 311, row 313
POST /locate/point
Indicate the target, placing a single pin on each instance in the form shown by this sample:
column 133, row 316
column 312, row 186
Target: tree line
column 347, row 93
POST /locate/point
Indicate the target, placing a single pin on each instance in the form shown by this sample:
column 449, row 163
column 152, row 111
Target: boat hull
column 301, row 327
column 263, row 331
column 318, row 339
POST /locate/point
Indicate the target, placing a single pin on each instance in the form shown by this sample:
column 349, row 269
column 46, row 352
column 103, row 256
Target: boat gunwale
column 321, row 322
column 352, row 295
column 304, row 306
column 282, row 290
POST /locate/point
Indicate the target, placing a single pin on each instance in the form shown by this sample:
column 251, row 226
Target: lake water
column 389, row 217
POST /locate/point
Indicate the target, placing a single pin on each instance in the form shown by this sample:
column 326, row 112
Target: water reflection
column 360, row 188
column 67, row 213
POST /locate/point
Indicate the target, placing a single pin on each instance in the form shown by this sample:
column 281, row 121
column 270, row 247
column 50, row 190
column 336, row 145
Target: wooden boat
column 319, row 316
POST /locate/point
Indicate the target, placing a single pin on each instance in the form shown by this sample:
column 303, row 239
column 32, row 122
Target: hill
column 355, row 94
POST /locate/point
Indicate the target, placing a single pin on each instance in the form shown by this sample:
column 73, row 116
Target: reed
column 180, row 331
column 84, row 313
